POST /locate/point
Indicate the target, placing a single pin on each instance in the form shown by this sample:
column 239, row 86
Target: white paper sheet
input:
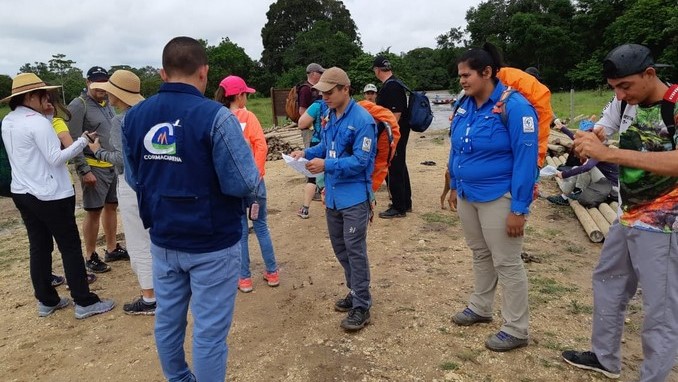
column 299, row 165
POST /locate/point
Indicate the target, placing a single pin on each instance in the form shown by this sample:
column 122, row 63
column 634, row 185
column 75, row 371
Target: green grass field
column 586, row 102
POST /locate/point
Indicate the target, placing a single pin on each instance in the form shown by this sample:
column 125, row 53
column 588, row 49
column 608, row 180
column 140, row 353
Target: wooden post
column 550, row 161
column 607, row 211
column 589, row 225
column 571, row 104
column 615, row 206
column 600, row 220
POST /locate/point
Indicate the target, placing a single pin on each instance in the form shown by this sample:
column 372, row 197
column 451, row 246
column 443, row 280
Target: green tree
column 5, row 85
column 287, row 18
column 323, row 45
column 225, row 59
column 427, row 72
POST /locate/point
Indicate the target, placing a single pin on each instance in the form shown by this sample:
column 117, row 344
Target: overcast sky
column 133, row 32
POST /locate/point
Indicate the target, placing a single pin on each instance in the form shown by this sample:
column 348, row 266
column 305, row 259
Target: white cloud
column 129, row 32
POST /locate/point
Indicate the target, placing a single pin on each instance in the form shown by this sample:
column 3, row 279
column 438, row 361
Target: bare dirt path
column 421, row 275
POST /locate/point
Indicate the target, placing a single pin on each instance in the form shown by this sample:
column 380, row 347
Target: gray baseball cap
column 314, row 68
column 628, row 59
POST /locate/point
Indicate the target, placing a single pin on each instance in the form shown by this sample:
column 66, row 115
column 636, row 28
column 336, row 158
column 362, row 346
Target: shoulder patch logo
column 160, row 139
column 367, row 144
column 528, row 125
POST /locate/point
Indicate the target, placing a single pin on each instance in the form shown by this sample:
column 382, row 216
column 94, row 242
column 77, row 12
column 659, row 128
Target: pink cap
column 234, row 85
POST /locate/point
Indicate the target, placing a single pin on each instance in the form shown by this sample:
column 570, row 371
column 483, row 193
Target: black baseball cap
column 381, row 62
column 628, row 59
column 97, row 74
column 534, row 72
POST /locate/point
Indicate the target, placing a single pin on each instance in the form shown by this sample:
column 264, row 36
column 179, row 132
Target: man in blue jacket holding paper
column 346, row 154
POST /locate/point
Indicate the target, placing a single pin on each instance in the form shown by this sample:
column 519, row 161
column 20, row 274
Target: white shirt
column 35, row 155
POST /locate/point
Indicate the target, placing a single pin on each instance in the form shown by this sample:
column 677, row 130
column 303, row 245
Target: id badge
column 333, row 154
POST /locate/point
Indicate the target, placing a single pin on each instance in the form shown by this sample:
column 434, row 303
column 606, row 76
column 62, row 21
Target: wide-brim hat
column 124, row 85
column 26, row 83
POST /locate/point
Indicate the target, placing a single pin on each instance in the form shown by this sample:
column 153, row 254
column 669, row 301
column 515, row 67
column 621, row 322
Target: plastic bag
column 547, row 171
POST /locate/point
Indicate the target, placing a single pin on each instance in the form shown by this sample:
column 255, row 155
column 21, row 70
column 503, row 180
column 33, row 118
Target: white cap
column 370, row 88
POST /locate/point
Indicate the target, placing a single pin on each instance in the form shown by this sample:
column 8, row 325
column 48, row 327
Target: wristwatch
column 517, row 213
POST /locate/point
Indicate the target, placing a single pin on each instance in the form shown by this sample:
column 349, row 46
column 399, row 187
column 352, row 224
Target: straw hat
column 123, row 84
column 25, row 83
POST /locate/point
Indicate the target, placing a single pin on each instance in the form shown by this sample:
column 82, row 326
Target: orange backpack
column 386, row 143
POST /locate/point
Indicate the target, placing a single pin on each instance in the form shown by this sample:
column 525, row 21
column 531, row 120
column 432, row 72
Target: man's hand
column 94, row 146
column 559, row 174
column 515, row 225
column 297, row 154
column 588, row 145
column 316, row 165
column 89, row 136
column 89, row 179
column 599, row 131
column 452, row 200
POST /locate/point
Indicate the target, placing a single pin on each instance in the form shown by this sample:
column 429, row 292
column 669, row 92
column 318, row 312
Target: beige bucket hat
column 123, row 84
column 25, row 83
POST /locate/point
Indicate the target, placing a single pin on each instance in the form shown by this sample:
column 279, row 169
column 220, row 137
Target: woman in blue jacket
column 493, row 166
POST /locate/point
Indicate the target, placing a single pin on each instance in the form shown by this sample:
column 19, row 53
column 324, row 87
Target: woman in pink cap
column 232, row 92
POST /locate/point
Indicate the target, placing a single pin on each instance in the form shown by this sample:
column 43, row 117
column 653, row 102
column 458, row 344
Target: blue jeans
column 208, row 281
column 264, row 238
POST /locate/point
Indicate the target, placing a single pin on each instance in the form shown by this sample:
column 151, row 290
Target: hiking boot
column 102, row 306
column 345, row 304
column 44, row 310
column 467, row 317
column 119, row 253
column 303, row 212
column 357, row 319
column 272, row 278
column 392, row 213
column 245, row 285
column 587, row 360
column 57, row 280
column 503, row 341
column 95, row 264
column 558, row 200
column 139, row 307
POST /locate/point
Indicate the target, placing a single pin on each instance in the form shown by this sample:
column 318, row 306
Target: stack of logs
column 283, row 139
column 595, row 221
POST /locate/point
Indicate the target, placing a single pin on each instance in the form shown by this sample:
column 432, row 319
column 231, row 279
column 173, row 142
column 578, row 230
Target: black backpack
column 5, row 169
column 419, row 113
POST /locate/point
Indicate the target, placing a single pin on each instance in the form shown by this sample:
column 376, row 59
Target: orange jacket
column 540, row 98
column 254, row 136
column 382, row 160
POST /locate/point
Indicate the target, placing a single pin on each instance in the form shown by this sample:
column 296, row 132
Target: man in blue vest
column 346, row 154
column 186, row 158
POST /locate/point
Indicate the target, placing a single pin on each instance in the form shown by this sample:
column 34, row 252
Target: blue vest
column 170, row 143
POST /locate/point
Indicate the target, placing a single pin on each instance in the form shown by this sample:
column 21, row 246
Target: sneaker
column 316, row 196
column 574, row 195
column 272, row 278
column 139, row 307
column 91, row 277
column 119, row 253
column 245, row 285
column 95, row 264
column 345, row 304
column 587, row 360
column 357, row 319
column 303, row 212
column 44, row 310
column 102, row 306
column 57, row 280
column 503, row 341
column 392, row 213
column 467, row 317
column 558, row 200
column 390, row 205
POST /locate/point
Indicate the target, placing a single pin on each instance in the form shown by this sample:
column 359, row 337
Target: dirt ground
column 421, row 275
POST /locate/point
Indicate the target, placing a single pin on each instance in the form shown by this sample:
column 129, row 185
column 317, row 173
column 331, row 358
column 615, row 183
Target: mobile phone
column 254, row 211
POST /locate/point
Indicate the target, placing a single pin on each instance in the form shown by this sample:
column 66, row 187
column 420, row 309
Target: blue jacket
column 489, row 159
column 191, row 168
column 348, row 146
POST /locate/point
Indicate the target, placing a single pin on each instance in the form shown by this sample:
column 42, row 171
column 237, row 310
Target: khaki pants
column 496, row 259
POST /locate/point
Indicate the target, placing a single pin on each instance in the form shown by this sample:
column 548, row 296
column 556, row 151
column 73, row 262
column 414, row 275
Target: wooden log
column 557, row 161
column 607, row 211
column 563, row 159
column 589, row 225
column 550, row 162
column 557, row 149
column 615, row 206
column 599, row 219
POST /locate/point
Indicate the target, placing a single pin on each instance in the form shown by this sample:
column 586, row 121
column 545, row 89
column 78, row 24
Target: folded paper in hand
column 299, row 165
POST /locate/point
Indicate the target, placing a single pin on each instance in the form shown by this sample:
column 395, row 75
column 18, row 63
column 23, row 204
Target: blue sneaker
column 44, row 310
column 503, row 341
column 102, row 306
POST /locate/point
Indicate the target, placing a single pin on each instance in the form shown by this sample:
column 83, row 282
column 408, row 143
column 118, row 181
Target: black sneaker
column 95, row 264
column 357, row 319
column 139, row 307
column 345, row 304
column 392, row 213
column 558, row 200
column 119, row 253
column 390, row 205
column 587, row 360
column 57, row 280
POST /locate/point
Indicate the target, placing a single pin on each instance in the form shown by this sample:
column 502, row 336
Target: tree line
column 566, row 40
